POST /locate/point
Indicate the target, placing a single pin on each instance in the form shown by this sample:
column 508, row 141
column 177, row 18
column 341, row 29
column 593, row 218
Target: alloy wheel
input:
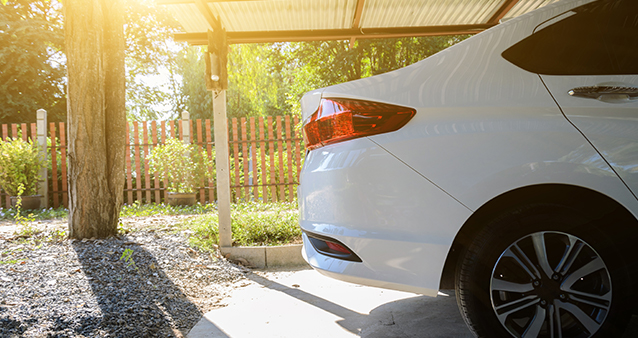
column 550, row 284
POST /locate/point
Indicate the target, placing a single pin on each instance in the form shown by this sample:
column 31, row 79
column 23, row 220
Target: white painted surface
column 483, row 127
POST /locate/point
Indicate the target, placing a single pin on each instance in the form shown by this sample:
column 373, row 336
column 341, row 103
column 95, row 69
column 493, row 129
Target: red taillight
column 337, row 247
column 339, row 120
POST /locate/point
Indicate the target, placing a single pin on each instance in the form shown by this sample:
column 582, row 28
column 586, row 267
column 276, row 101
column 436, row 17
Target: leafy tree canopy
column 32, row 66
column 164, row 78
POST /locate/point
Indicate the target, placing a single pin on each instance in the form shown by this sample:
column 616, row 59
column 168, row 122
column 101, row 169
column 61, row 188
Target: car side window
column 601, row 38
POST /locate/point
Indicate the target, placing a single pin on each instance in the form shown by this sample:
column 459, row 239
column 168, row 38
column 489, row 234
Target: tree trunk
column 96, row 115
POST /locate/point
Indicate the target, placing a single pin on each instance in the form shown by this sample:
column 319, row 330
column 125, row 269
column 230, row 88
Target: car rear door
column 588, row 60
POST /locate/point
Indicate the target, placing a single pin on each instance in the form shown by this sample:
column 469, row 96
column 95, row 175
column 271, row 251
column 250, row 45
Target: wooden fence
column 265, row 158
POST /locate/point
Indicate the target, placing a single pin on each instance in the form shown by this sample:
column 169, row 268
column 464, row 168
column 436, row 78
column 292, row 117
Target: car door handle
column 606, row 93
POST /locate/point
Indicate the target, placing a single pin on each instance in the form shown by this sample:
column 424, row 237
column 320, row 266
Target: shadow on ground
column 418, row 316
column 136, row 298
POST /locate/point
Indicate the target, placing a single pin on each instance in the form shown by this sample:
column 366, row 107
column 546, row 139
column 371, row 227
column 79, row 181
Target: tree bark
column 96, row 115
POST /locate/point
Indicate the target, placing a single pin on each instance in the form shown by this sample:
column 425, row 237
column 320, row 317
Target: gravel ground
column 53, row 287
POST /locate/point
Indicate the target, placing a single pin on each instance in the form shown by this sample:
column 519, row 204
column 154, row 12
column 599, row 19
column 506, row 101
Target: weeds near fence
column 37, row 214
column 138, row 209
column 251, row 223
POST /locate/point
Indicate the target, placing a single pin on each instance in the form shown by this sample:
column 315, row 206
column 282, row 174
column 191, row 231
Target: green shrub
column 184, row 166
column 20, row 165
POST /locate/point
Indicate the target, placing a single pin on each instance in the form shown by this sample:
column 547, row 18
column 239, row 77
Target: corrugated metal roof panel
column 303, row 18
column 285, row 15
column 190, row 17
column 526, row 6
column 412, row 13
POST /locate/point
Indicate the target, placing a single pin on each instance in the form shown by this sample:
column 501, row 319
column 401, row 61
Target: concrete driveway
column 305, row 303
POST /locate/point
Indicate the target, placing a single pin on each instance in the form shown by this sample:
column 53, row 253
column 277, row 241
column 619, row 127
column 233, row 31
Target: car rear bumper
column 400, row 224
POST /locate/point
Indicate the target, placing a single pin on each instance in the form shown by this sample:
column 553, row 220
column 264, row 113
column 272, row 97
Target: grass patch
column 12, row 261
column 132, row 210
column 38, row 214
column 143, row 210
column 252, row 224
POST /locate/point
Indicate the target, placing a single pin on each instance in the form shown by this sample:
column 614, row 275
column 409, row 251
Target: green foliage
column 185, row 166
column 263, row 177
column 251, row 223
column 138, row 209
column 32, row 70
column 20, row 164
column 255, row 81
column 38, row 214
column 197, row 100
column 152, row 79
column 269, row 79
column 26, row 229
column 127, row 256
column 316, row 64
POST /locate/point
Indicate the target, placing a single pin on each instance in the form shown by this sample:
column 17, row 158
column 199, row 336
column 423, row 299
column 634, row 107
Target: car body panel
column 383, row 210
column 612, row 127
column 483, row 127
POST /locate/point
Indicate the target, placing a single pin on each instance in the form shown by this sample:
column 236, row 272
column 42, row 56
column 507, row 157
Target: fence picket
column 236, row 159
column 289, row 186
column 262, row 157
column 5, row 134
column 138, row 169
column 253, row 158
column 171, row 124
column 129, row 174
column 271, row 148
column 25, row 132
column 156, row 184
column 164, row 133
column 211, row 182
column 245, row 152
column 280, row 146
column 265, row 151
column 147, row 176
column 54, row 166
column 202, row 191
column 64, row 187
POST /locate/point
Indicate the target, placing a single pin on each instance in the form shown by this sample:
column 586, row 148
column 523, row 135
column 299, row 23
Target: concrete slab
column 262, row 257
column 255, row 255
column 285, row 256
column 305, row 303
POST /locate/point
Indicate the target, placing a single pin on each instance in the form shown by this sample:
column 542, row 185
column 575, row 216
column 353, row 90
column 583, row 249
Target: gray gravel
column 59, row 288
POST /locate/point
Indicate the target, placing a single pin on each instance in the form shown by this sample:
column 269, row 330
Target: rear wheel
column 543, row 271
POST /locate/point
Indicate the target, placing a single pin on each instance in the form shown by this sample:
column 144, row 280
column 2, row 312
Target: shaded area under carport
column 305, row 303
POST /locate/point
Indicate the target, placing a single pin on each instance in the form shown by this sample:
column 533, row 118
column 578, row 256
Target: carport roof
column 249, row 21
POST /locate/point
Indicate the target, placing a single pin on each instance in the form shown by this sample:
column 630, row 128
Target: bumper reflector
column 332, row 248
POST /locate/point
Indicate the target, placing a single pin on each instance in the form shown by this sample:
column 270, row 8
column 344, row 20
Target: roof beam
column 214, row 24
column 334, row 34
column 502, row 11
column 356, row 22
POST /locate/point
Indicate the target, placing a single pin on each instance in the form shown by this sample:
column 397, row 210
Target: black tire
column 500, row 272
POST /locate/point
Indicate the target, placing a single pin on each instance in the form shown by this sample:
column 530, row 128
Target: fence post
column 43, row 182
column 186, row 131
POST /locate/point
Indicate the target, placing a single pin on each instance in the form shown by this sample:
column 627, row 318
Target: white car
column 505, row 166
